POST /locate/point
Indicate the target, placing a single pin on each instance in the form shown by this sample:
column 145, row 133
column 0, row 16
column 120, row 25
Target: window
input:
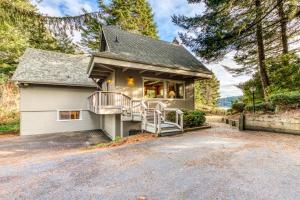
column 160, row 88
column 69, row 115
column 153, row 88
column 175, row 90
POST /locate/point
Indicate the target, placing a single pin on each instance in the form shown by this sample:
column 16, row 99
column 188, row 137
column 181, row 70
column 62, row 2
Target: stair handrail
column 161, row 106
column 157, row 121
column 178, row 117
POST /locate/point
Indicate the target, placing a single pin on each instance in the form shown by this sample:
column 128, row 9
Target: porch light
column 109, row 81
column 130, row 81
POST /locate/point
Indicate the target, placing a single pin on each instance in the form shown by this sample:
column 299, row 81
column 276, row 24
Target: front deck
column 151, row 114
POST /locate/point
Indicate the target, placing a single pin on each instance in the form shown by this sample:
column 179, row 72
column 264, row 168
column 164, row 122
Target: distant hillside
column 227, row 101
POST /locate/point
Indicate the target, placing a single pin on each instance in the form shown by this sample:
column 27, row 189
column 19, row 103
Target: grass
column 10, row 127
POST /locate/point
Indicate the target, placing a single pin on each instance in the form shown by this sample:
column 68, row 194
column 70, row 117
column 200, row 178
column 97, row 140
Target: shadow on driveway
column 27, row 146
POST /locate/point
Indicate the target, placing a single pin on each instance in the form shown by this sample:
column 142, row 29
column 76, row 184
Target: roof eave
column 153, row 64
column 53, row 84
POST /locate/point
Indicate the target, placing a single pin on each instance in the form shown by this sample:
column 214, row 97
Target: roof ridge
column 139, row 34
column 56, row 52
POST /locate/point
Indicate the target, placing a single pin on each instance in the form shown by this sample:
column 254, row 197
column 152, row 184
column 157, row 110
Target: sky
column 163, row 10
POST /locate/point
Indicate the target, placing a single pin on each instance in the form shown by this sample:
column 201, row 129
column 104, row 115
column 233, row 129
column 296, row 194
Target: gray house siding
column 39, row 106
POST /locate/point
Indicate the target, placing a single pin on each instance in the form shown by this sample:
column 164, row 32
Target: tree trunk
column 261, row 50
column 283, row 27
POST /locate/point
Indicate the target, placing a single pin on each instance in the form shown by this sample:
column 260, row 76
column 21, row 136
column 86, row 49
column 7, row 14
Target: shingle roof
column 133, row 47
column 48, row 67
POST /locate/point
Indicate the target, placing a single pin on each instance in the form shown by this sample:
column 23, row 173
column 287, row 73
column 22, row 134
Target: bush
column 191, row 118
column 264, row 107
column 9, row 101
column 290, row 99
column 238, row 106
column 211, row 110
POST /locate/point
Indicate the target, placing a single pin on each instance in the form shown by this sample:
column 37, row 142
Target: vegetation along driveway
column 216, row 163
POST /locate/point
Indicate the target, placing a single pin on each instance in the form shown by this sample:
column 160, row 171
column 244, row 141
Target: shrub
column 229, row 111
column 211, row 110
column 286, row 99
column 191, row 118
column 264, row 107
column 238, row 106
column 9, row 101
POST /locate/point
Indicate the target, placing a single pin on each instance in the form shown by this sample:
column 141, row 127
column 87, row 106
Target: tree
column 207, row 92
column 13, row 11
column 17, row 35
column 247, row 27
column 130, row 15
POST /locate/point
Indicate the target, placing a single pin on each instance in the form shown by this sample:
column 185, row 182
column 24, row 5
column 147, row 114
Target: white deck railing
column 108, row 100
column 152, row 113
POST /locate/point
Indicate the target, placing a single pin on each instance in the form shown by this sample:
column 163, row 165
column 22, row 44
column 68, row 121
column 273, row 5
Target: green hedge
column 238, row 106
column 286, row 99
column 265, row 107
column 191, row 118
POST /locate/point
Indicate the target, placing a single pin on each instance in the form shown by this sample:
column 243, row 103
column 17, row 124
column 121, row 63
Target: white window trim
column 69, row 110
column 165, row 89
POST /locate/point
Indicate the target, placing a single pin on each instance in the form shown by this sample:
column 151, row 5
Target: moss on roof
column 134, row 47
column 48, row 67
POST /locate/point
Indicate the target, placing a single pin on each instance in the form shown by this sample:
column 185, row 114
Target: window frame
column 68, row 110
column 165, row 88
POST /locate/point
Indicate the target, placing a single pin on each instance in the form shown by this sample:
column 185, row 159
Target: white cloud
column 64, row 7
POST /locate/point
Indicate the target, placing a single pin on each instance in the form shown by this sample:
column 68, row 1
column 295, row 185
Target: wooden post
column 242, row 122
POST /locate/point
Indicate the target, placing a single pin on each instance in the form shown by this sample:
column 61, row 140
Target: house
column 132, row 83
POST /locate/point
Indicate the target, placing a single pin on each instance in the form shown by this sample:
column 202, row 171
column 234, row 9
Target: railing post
column 155, row 122
column 181, row 121
column 159, row 122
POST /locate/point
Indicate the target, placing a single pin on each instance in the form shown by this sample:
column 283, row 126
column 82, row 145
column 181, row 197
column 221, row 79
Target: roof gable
column 48, row 67
column 139, row 48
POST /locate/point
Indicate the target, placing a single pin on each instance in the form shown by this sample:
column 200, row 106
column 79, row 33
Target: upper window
column 69, row 115
column 167, row 89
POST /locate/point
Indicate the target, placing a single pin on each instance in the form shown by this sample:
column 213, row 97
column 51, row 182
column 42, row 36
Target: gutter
column 53, row 84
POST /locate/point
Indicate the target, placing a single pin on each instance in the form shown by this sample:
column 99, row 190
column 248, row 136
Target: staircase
column 151, row 114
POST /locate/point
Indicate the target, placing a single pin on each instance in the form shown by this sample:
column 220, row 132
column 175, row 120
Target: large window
column 163, row 89
column 69, row 115
column 153, row 88
column 175, row 90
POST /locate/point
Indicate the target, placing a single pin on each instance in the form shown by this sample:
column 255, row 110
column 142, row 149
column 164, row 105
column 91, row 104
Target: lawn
column 10, row 127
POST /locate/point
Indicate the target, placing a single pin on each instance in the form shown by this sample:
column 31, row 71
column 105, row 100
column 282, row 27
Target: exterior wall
column 39, row 106
column 136, row 91
column 128, row 125
column 272, row 123
column 112, row 125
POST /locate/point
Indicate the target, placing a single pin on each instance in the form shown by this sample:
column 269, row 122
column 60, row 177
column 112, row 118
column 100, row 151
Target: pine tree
column 130, row 15
column 17, row 35
column 249, row 28
column 207, row 93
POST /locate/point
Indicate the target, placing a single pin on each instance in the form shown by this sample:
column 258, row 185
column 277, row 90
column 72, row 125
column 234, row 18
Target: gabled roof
column 48, row 67
column 138, row 48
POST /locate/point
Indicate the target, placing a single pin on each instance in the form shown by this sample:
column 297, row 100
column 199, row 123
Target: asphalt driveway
column 217, row 163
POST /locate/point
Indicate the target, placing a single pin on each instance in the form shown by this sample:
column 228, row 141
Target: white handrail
column 127, row 106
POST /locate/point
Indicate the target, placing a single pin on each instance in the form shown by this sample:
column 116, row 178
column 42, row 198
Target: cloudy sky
column 163, row 10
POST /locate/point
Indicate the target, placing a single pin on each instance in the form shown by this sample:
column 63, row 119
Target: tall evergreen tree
column 250, row 28
column 17, row 35
column 207, row 92
column 131, row 15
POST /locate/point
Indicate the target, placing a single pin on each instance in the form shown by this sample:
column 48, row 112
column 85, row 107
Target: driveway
column 216, row 163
